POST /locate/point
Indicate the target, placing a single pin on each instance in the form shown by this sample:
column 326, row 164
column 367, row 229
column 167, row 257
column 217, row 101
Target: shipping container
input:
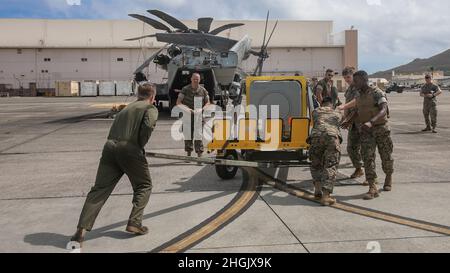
column 124, row 88
column 88, row 89
column 107, row 89
column 67, row 89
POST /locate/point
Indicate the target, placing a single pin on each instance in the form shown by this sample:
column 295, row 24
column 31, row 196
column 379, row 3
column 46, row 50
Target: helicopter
column 215, row 58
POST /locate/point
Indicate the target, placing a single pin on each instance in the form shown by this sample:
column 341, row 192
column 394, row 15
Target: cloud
column 73, row 2
column 391, row 32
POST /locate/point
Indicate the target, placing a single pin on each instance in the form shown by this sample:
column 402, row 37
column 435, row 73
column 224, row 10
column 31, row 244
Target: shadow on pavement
column 60, row 241
column 47, row 239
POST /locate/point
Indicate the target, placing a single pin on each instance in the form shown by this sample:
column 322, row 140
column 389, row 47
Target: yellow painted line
column 206, row 230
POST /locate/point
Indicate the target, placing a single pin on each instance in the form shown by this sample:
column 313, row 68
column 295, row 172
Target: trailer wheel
column 227, row 172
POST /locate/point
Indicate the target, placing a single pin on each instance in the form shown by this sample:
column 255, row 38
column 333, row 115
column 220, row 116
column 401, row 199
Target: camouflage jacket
column 429, row 89
column 189, row 94
column 326, row 122
column 328, row 91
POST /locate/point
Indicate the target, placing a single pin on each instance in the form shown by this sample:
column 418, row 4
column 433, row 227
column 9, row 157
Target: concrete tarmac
column 49, row 153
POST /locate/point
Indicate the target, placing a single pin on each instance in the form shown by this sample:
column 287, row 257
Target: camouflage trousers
column 325, row 154
column 190, row 145
column 430, row 111
column 354, row 147
column 378, row 136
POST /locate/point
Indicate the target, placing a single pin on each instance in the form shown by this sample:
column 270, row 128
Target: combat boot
column 426, row 129
column 366, row 183
column 373, row 191
column 317, row 190
column 357, row 174
column 137, row 229
column 434, row 131
column 199, row 155
column 388, row 183
column 79, row 236
column 326, row 199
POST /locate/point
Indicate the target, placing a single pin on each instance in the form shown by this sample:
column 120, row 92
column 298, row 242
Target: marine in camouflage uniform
column 430, row 91
column 372, row 121
column 122, row 154
column 353, row 138
column 187, row 97
column 325, row 150
column 325, row 88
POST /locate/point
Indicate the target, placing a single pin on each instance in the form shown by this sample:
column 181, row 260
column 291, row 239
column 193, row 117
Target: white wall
column 102, row 64
column 66, row 65
column 37, row 33
column 306, row 61
column 303, row 47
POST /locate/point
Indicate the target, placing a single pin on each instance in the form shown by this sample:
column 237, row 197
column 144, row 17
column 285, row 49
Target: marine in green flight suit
column 122, row 154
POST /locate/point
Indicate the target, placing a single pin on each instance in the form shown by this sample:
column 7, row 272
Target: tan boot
column 373, row 191
column 317, row 190
column 136, row 229
column 326, row 199
column 357, row 174
column 199, row 155
column 366, row 183
column 388, row 183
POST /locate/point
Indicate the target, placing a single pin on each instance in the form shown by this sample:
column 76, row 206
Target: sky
column 391, row 32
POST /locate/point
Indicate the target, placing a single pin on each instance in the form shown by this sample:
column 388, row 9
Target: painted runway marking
column 242, row 201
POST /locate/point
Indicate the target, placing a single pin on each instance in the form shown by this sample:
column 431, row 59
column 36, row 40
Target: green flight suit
column 122, row 154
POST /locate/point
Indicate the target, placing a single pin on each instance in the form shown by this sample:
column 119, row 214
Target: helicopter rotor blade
column 199, row 40
column 155, row 24
column 142, row 37
column 223, row 28
column 204, row 24
column 174, row 22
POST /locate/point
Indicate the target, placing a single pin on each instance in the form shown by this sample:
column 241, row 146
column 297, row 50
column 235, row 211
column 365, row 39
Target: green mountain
column 438, row 62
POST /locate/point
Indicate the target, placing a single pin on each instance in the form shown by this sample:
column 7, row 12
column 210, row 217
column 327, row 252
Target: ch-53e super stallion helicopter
column 216, row 59
column 276, row 141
